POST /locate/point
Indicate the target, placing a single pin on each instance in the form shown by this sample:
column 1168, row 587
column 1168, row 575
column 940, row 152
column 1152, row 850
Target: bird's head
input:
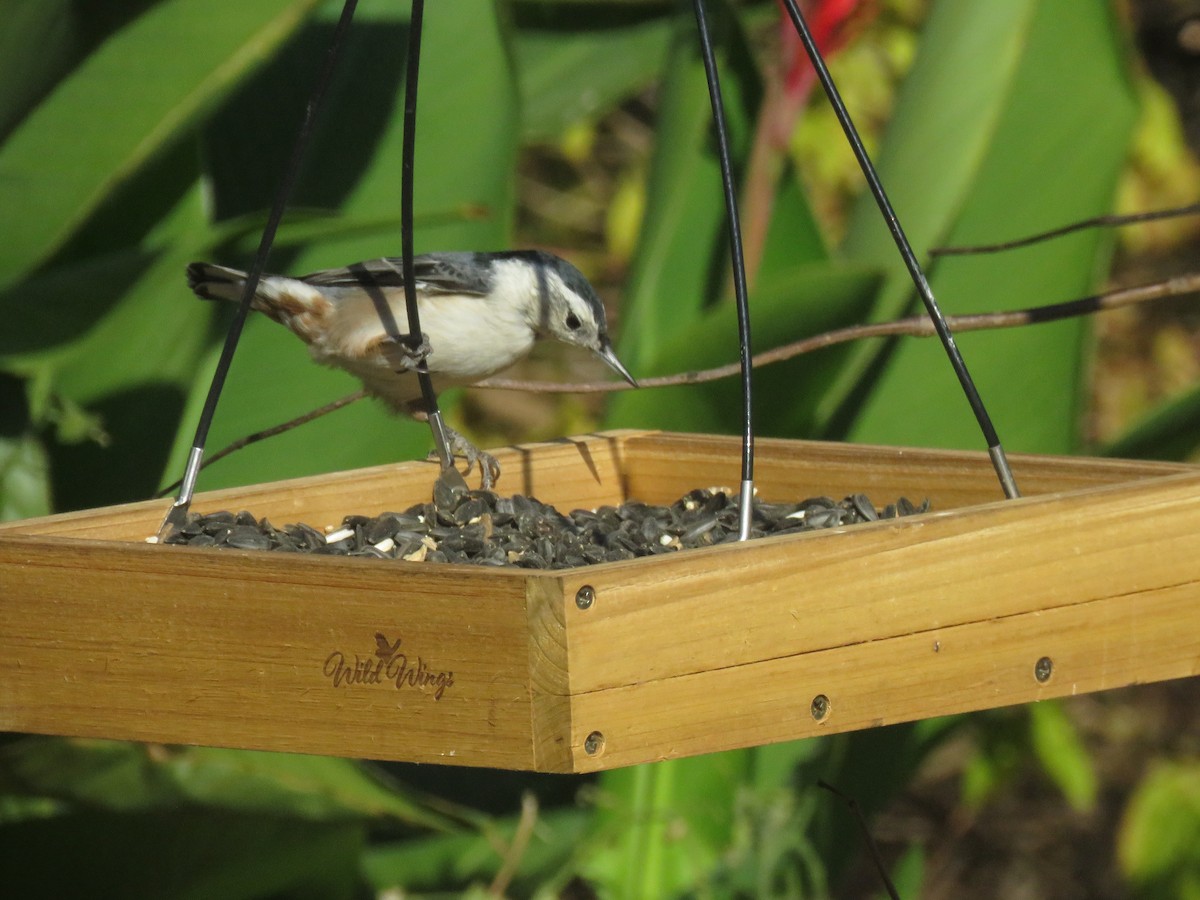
column 570, row 311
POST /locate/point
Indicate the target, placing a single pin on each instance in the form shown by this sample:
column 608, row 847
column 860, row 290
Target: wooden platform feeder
column 1092, row 581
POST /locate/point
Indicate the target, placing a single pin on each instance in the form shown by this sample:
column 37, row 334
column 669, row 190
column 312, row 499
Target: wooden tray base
column 1091, row 581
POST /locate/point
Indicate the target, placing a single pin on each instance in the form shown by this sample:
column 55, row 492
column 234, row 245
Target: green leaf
column 908, row 875
column 1172, row 431
column 35, row 46
column 24, row 478
column 458, row 861
column 139, row 91
column 794, row 237
column 1001, row 750
column 462, row 161
column 661, row 828
column 943, row 121
column 871, row 767
column 128, row 371
column 310, row 787
column 679, row 276
column 565, row 59
column 126, row 777
column 975, row 143
column 1029, row 377
column 60, row 305
column 786, row 307
column 1062, row 755
column 272, row 381
column 156, row 333
column 942, row 125
column 192, row 854
column 682, row 253
column 771, row 852
column 775, row 766
column 1158, row 844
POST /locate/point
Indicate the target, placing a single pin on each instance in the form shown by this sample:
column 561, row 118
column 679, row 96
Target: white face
column 579, row 320
column 572, row 319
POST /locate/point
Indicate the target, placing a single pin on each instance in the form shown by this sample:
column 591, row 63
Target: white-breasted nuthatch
column 479, row 314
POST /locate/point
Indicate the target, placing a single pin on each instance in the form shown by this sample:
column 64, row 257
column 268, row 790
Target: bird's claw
column 489, row 468
column 402, row 356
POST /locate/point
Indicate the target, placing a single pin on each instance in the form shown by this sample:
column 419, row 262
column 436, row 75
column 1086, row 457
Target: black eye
column 573, row 321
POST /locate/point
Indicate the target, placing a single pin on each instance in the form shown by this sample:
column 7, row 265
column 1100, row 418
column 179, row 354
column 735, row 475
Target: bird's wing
column 445, row 273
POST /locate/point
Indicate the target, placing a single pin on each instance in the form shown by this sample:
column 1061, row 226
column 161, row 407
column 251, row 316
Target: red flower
column 832, row 22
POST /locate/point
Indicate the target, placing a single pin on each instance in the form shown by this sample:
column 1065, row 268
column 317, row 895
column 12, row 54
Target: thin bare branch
column 271, row 432
column 516, row 849
column 1110, row 221
column 916, row 326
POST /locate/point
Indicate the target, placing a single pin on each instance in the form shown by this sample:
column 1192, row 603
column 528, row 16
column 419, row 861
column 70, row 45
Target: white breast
column 472, row 338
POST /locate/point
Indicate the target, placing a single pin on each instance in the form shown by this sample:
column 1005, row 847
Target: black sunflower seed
column 482, row 528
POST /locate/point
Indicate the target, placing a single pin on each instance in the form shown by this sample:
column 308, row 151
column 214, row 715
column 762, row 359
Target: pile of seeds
column 472, row 526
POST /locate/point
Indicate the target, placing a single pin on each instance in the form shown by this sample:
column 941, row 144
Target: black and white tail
column 289, row 301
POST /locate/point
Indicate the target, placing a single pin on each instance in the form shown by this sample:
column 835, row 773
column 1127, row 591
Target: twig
column 518, row 846
column 916, row 326
column 271, row 432
column 1109, row 221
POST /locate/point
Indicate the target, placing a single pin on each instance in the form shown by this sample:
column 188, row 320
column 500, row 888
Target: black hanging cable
column 739, row 269
column 414, row 339
column 178, row 512
column 995, row 450
column 429, row 398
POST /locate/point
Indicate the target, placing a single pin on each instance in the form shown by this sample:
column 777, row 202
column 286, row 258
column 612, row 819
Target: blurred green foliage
column 1159, row 846
column 136, row 138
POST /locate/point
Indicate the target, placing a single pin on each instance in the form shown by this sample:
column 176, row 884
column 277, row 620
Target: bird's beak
column 606, row 353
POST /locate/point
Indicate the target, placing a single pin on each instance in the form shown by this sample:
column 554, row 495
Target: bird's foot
column 489, row 468
column 402, row 356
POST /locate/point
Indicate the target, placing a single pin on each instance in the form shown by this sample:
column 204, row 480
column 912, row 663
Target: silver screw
column 820, row 707
column 1043, row 669
column 593, row 743
column 585, row 597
